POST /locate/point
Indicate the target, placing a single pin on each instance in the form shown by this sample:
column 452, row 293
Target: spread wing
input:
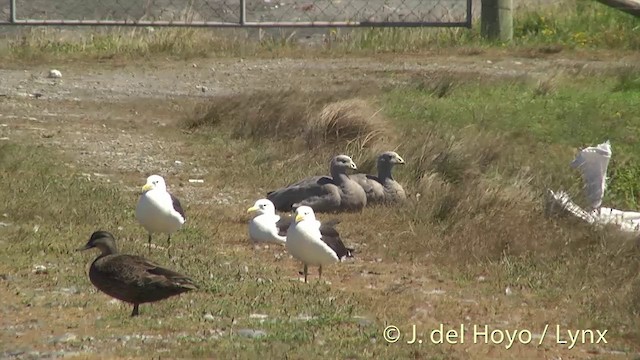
column 593, row 162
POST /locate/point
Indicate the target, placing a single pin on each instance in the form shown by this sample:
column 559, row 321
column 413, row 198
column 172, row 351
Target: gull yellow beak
column 147, row 187
column 299, row 217
column 252, row 209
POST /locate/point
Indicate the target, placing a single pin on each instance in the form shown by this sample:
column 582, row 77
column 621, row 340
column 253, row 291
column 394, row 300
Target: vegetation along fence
column 239, row 13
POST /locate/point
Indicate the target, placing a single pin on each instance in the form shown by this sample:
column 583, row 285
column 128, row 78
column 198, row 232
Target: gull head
column 304, row 213
column 154, row 182
column 262, row 206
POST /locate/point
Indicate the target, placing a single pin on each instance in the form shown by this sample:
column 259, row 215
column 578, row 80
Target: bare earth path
column 117, row 123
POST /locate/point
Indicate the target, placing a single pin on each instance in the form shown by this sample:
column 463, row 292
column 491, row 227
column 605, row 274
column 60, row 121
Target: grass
column 233, row 285
column 317, row 119
column 538, row 31
column 480, row 154
column 479, row 157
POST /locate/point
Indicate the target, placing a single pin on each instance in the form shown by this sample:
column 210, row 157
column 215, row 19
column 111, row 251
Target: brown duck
column 132, row 278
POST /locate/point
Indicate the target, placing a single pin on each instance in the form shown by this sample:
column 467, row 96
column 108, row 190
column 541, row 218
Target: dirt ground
column 96, row 109
column 116, row 121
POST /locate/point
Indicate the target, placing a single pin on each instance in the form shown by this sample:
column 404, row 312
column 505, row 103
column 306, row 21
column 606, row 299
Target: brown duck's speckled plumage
column 132, row 278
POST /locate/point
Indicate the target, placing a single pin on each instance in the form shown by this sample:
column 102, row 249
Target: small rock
column 6, row 277
column 481, row 278
column 508, row 291
column 196, row 181
column 4, row 138
column 363, row 321
column 55, row 74
column 114, row 302
column 435, row 292
column 70, row 290
column 66, row 338
column 4, row 224
column 178, row 162
column 208, row 317
column 250, row 333
column 14, row 353
column 304, row 317
column 40, row 269
column 258, row 316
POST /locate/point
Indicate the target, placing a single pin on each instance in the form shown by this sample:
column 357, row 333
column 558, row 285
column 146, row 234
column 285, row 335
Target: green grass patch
column 52, row 209
column 480, row 156
column 578, row 112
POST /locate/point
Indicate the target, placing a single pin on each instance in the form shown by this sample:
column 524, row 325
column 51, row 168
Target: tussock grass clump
column 311, row 119
column 628, row 80
column 462, row 183
column 351, row 121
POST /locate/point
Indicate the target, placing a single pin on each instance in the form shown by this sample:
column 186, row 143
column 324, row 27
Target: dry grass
column 315, row 119
column 539, row 30
column 348, row 123
column 478, row 162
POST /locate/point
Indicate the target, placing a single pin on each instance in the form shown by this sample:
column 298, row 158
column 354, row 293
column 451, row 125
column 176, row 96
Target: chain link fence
column 238, row 13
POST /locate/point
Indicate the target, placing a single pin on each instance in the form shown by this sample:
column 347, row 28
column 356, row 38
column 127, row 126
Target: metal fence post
column 469, row 14
column 12, row 11
column 243, row 12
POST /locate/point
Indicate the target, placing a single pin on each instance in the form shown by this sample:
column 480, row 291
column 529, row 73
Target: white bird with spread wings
column 593, row 162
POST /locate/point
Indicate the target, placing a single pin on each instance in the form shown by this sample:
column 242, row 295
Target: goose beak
column 252, row 209
column 299, row 218
column 353, row 166
column 400, row 161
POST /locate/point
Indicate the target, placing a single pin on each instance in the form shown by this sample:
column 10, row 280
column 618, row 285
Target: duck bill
column 83, row 248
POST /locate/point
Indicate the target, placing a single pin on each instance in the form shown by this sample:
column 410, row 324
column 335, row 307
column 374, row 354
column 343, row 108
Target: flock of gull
column 136, row 280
